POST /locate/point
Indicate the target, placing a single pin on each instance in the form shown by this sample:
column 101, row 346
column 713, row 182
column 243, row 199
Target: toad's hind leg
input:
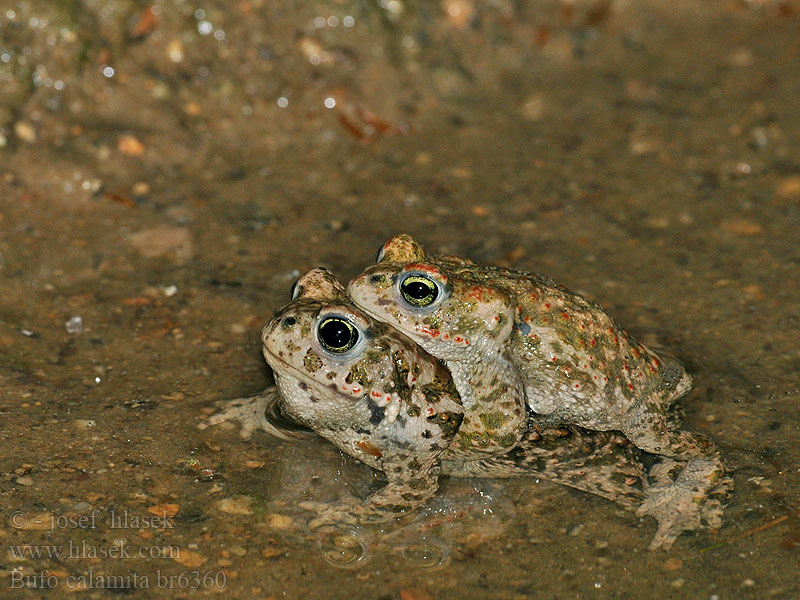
column 600, row 463
column 685, row 495
column 694, row 499
column 649, row 429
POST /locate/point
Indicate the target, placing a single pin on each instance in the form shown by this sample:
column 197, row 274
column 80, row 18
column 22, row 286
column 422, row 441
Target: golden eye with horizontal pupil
column 337, row 335
column 419, row 290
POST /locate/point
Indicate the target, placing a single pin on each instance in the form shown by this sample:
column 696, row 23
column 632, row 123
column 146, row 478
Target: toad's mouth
column 304, row 377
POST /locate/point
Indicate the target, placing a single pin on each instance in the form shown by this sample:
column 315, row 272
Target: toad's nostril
column 289, row 321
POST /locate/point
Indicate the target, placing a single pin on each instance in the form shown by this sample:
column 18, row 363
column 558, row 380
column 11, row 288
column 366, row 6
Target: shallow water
column 166, row 174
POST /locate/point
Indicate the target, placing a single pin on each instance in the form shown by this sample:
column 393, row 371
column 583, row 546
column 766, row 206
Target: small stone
column 741, row 57
column 313, row 51
column 677, row 583
column 26, row 480
column 190, row 558
column 140, row 188
column 236, row 505
column 254, row 464
column 25, row 131
column 534, row 108
column 175, row 50
column 742, row 227
column 672, row 564
column 36, row 522
column 748, row 583
column 74, row 325
column 192, row 109
column 130, row 146
column 272, row 552
column 459, row 13
column 789, row 187
column 277, row 521
column 480, row 211
column 164, row 510
column 415, row 594
column 163, row 240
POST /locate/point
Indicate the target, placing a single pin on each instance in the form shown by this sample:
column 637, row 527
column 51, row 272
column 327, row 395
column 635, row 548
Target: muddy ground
column 167, row 169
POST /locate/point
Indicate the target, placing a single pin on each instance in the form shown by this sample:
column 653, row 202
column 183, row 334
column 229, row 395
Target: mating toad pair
column 437, row 365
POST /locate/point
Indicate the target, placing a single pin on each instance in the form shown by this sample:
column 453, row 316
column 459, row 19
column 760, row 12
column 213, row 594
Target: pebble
column 130, row 146
column 742, row 227
column 192, row 109
column 277, row 521
column 26, row 480
column 163, row 240
column 164, row 510
column 313, row 51
column 235, row 505
column 534, row 108
column 140, row 188
column 272, row 552
column 789, row 187
column 672, row 564
column 25, row 131
column 677, row 583
column 35, row 522
column 415, row 594
column 74, row 325
column 190, row 558
column 175, row 50
column 459, row 13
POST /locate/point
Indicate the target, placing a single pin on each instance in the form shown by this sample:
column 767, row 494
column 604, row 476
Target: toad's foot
column 340, row 514
column 694, row 500
column 388, row 504
column 252, row 414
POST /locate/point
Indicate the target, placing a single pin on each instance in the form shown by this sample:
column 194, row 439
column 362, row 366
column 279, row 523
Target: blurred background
column 167, row 169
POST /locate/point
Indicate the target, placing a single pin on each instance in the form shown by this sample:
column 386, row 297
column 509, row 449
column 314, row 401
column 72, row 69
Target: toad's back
column 575, row 361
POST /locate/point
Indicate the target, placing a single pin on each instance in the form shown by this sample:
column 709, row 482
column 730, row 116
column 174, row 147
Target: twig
column 748, row 533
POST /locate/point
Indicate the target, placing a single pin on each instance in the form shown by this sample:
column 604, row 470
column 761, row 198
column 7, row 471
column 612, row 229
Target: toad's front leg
column 260, row 412
column 410, row 486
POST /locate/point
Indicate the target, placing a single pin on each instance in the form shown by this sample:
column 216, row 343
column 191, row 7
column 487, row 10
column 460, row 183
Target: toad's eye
column 419, row 290
column 337, row 335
